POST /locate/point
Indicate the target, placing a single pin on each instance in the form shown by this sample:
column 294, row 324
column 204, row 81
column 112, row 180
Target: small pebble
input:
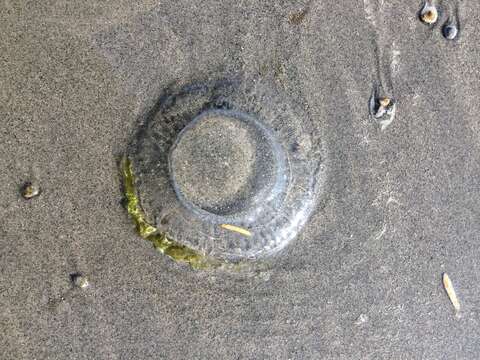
column 429, row 13
column 78, row 280
column 450, row 31
column 298, row 17
column 361, row 319
column 30, row 190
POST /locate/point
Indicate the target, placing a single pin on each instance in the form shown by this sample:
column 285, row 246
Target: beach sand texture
column 401, row 203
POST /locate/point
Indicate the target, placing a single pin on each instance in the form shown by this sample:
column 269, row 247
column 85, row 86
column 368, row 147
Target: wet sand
column 363, row 281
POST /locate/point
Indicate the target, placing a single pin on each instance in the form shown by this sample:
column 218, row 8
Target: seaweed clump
column 161, row 241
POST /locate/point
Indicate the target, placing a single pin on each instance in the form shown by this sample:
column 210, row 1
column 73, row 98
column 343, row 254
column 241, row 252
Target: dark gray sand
column 363, row 281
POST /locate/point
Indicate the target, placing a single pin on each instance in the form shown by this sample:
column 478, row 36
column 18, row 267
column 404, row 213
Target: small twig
column 236, row 229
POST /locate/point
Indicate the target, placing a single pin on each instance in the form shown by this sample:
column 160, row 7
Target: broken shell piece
column 390, row 108
column 30, row 190
column 450, row 31
column 378, row 106
column 447, row 284
column 381, row 108
column 390, row 111
column 380, row 112
column 384, row 106
column 429, row 13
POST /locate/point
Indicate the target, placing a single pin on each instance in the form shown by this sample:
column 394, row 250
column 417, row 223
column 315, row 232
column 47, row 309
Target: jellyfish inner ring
column 227, row 166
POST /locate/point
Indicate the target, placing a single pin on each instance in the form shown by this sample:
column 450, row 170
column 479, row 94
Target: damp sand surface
column 364, row 279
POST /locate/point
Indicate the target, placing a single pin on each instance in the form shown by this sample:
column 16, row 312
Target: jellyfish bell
column 228, row 170
column 225, row 165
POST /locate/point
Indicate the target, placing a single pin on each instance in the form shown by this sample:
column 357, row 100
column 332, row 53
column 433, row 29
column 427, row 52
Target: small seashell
column 429, row 13
column 381, row 106
column 30, row 190
column 450, row 31
column 385, row 105
column 385, row 101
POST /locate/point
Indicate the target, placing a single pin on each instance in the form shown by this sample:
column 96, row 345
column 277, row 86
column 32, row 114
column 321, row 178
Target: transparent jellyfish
column 225, row 170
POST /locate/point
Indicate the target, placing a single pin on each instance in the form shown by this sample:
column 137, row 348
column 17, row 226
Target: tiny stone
column 450, row 31
column 78, row 280
column 30, row 190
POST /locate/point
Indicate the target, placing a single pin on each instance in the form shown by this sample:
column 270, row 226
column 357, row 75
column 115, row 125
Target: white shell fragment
column 447, row 284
